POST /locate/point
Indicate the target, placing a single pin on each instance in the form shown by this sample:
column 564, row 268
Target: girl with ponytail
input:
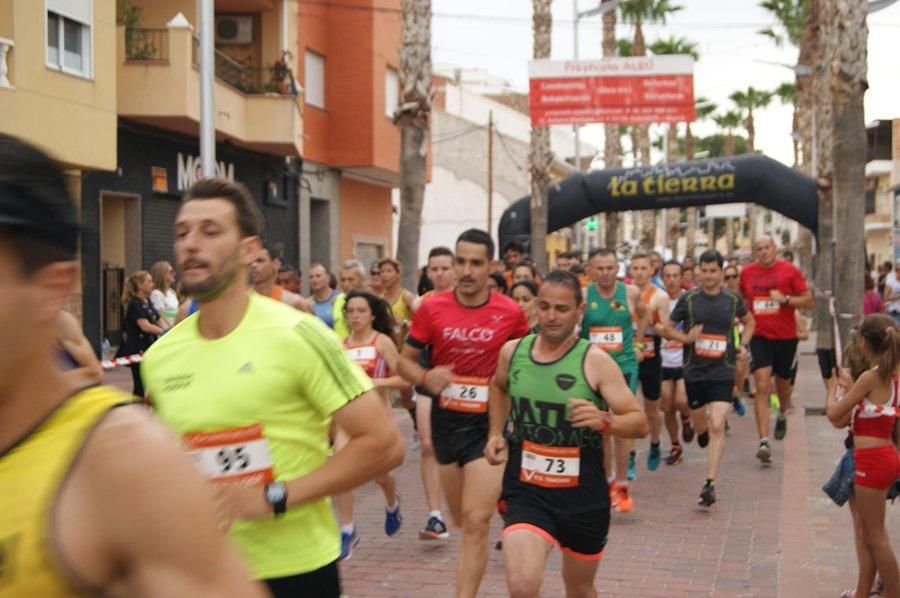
column 870, row 406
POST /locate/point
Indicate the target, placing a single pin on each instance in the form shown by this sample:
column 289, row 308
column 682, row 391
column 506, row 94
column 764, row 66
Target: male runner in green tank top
column 608, row 324
column 564, row 395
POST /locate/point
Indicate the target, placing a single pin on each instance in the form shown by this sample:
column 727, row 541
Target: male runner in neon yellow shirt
column 252, row 386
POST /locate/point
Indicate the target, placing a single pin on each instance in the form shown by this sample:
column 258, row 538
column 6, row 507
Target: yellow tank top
column 31, row 473
column 402, row 315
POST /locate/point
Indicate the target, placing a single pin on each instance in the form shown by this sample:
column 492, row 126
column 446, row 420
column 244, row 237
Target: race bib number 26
column 466, row 394
column 238, row 455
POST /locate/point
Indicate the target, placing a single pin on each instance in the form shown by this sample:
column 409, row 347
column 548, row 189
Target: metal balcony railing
column 146, row 44
column 248, row 79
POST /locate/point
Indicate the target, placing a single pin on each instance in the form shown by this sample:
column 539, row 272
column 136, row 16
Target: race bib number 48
column 608, row 338
column 466, row 394
column 711, row 346
column 766, row 306
column 550, row 466
column 238, row 455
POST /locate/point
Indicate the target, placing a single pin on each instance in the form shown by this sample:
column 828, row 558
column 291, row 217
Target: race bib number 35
column 238, row 455
column 766, row 306
column 608, row 338
column 466, row 394
column 550, row 466
column 711, row 346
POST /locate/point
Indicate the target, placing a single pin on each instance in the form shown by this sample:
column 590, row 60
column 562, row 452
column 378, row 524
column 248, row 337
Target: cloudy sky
column 496, row 35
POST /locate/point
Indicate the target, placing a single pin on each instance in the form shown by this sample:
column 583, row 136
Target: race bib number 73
column 550, row 466
column 238, row 455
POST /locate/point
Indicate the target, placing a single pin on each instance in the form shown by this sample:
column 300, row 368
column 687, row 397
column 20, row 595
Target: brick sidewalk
column 771, row 533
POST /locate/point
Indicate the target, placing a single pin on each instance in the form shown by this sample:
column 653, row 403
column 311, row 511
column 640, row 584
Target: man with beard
column 564, row 393
column 263, row 272
column 252, row 387
column 96, row 497
column 466, row 329
column 289, row 277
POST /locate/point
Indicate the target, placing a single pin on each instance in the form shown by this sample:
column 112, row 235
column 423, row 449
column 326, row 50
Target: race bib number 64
column 238, row 455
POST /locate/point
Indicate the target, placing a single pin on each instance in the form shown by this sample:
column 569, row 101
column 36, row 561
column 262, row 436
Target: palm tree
column 638, row 12
column 848, row 37
column 729, row 121
column 795, row 26
column 787, row 95
column 540, row 157
column 748, row 101
column 662, row 46
column 612, row 147
column 704, row 109
column 413, row 116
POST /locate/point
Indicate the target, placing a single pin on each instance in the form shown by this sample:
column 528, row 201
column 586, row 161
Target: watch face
column 275, row 493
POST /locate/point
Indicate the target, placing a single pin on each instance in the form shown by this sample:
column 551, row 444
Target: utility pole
column 207, row 90
column 490, row 174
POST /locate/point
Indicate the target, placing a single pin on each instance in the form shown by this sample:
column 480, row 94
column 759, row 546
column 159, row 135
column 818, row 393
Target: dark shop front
column 129, row 214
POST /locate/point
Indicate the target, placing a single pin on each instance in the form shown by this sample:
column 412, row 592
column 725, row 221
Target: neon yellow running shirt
column 254, row 406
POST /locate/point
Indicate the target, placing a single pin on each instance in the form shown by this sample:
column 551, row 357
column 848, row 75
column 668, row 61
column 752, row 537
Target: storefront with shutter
column 129, row 214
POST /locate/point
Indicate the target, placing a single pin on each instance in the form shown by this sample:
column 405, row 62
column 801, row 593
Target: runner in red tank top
column 371, row 345
column 466, row 330
column 773, row 290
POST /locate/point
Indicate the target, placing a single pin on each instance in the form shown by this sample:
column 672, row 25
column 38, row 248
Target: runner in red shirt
column 773, row 289
column 466, row 330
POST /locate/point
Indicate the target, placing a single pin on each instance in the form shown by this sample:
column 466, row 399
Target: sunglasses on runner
column 730, row 276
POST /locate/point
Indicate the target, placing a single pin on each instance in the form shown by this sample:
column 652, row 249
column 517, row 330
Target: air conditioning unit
column 234, row 30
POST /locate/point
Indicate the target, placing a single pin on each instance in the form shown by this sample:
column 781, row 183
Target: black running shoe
column 703, row 439
column 780, row 426
column 687, row 429
column 707, row 495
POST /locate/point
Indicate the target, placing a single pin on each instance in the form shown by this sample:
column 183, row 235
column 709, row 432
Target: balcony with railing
column 159, row 84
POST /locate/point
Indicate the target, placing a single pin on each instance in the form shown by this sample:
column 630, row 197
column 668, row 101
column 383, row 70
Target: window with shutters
column 69, row 39
column 314, row 79
column 391, row 91
column 368, row 253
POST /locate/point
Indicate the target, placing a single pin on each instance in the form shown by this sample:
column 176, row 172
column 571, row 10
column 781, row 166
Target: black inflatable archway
column 745, row 178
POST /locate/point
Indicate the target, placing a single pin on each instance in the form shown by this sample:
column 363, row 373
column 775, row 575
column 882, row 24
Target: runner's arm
column 375, row 447
column 136, row 519
column 626, row 418
column 388, row 351
column 434, row 380
column 749, row 323
column 77, row 346
column 498, row 394
column 297, row 302
column 662, row 309
column 411, row 300
column 838, row 410
column 831, row 400
column 670, row 332
column 804, row 300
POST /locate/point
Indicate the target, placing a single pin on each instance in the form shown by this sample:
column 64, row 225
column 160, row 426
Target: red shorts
column 877, row 466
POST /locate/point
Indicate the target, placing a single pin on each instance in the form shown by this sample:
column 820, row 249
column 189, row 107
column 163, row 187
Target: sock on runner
column 436, row 514
column 348, row 529
column 710, row 482
column 393, row 509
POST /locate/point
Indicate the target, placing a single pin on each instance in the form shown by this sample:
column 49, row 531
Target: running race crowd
column 522, row 386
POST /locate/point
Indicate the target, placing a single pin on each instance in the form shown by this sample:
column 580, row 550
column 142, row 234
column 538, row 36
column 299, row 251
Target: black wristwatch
column 276, row 495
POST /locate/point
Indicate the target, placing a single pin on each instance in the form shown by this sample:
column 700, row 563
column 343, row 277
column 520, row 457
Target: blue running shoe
column 393, row 521
column 348, row 543
column 654, row 457
column 739, row 406
column 632, row 470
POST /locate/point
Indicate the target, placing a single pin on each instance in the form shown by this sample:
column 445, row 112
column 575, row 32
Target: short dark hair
column 640, row 255
column 711, row 255
column 674, row 263
column 37, row 214
column 601, row 251
column 274, row 249
column 249, row 217
column 287, row 268
column 392, row 262
column 440, row 251
column 528, row 284
column 480, row 237
column 566, row 279
column 500, row 280
column 513, row 245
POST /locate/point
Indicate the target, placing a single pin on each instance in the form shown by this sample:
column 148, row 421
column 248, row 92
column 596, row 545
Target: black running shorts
column 459, row 446
column 672, row 374
column 704, row 392
column 777, row 354
column 581, row 535
column 650, row 374
column 324, row 582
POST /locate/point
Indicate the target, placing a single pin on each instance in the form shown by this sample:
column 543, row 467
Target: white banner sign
column 726, row 210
